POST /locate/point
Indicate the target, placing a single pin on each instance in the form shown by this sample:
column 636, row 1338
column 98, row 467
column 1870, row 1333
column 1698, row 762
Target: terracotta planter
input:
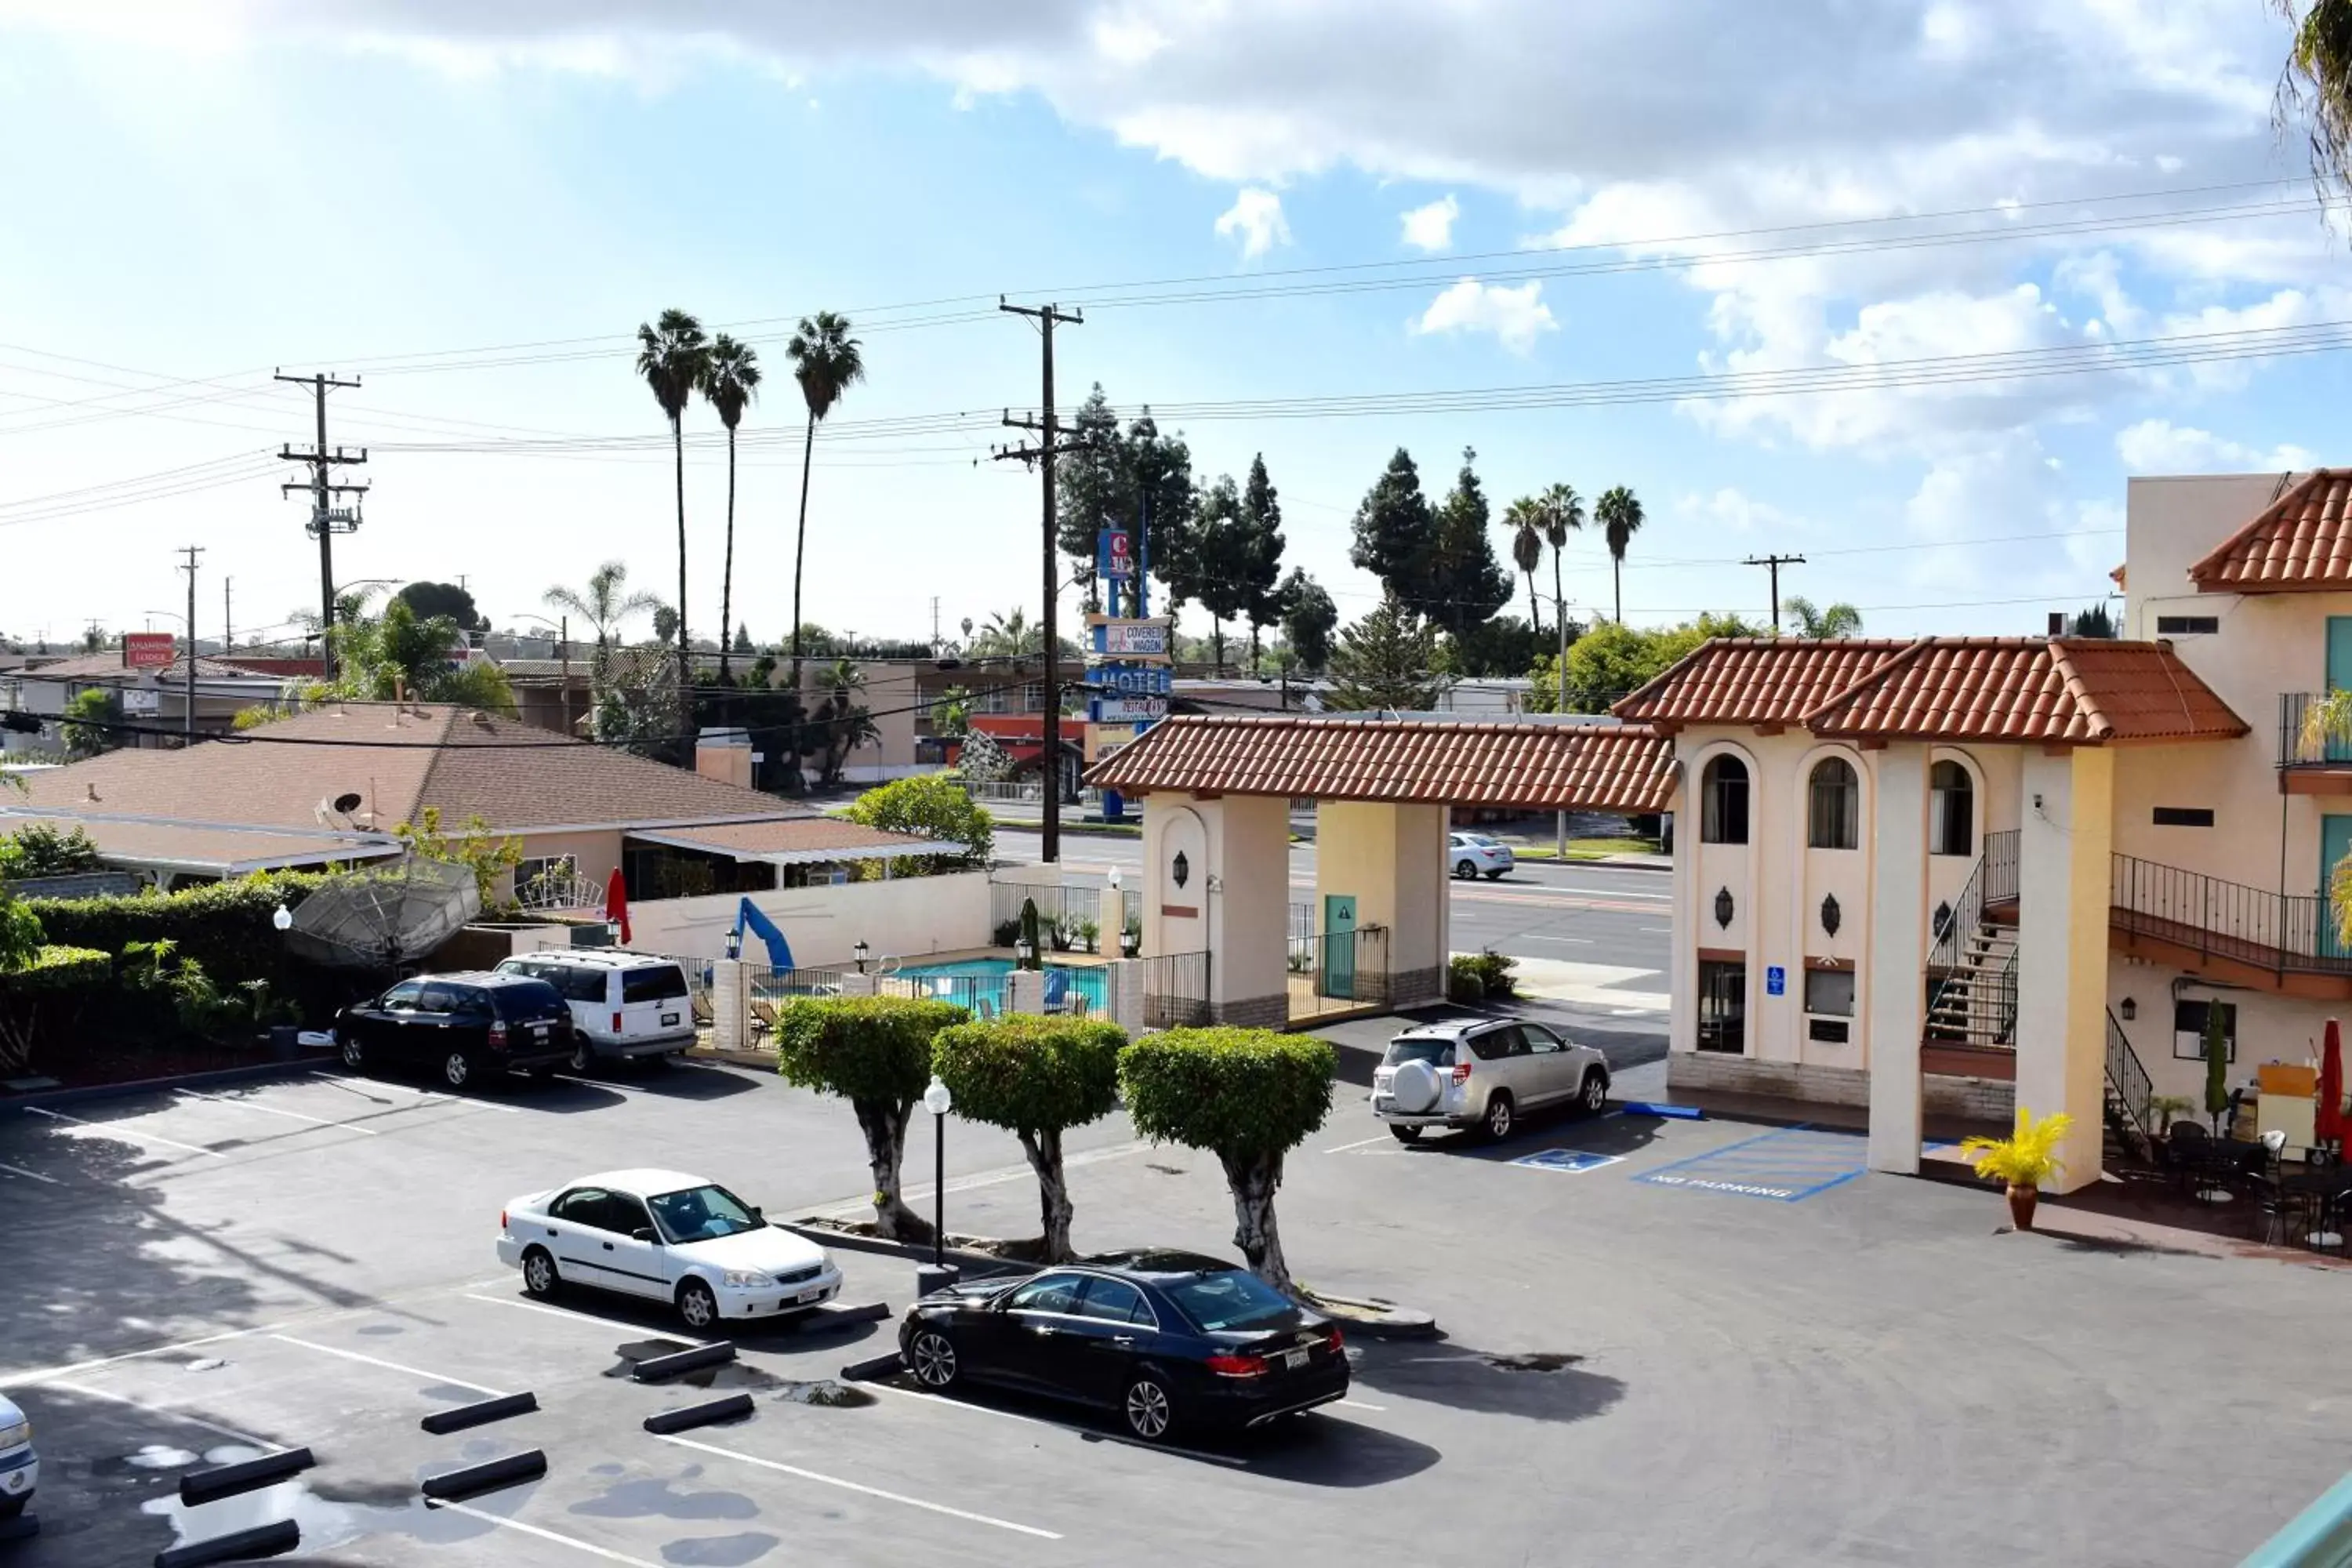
column 2020, row 1205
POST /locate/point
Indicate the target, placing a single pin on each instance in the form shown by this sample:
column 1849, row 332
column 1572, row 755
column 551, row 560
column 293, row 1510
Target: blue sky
column 204, row 192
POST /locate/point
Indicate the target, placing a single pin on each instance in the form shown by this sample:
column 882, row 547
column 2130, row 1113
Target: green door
column 2339, row 678
column 2334, row 843
column 1339, row 965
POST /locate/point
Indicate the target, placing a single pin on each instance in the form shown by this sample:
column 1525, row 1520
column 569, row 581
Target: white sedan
column 1479, row 855
column 666, row 1236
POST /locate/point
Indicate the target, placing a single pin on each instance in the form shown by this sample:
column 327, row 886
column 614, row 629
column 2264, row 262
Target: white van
column 623, row 1005
column 20, row 1470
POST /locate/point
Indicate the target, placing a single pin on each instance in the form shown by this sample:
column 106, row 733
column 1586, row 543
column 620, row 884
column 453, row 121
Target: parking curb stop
column 261, row 1540
column 479, row 1412
column 453, row 1486
column 661, row 1367
column 877, row 1367
column 1375, row 1320
column 663, row 1422
column 246, row 1475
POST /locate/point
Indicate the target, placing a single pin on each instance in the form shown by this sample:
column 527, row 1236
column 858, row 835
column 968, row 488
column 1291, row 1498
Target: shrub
column 929, row 806
column 1248, row 1097
column 1474, row 977
column 1034, row 1077
column 44, row 989
column 876, row 1053
column 36, row 849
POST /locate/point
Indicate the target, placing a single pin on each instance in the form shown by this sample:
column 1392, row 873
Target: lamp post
column 938, row 1102
column 861, row 953
column 283, row 919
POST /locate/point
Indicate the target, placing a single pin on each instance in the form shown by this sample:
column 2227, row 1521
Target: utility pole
column 188, row 718
column 327, row 519
column 1043, row 454
column 1773, row 563
column 228, row 622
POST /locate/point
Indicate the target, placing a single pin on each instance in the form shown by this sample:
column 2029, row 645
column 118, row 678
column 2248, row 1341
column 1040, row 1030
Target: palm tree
column 731, row 378
column 1840, row 620
column 2315, row 86
column 605, row 602
column 671, row 354
column 1563, row 511
column 1008, row 635
column 1620, row 512
column 826, row 362
column 1525, row 519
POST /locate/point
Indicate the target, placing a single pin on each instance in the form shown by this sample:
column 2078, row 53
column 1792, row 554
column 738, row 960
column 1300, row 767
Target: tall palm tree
column 1620, row 513
column 826, row 362
column 730, row 379
column 1563, row 514
column 1525, row 519
column 605, row 602
column 671, row 353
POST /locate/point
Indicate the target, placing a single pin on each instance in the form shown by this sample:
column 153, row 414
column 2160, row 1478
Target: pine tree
column 1394, row 530
column 1260, row 554
column 1465, row 583
column 1386, row 661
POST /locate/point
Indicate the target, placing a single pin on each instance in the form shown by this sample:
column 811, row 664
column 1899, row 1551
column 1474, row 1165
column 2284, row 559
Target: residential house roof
column 2301, row 542
column 1756, row 680
column 799, row 840
column 207, row 849
column 1599, row 766
column 91, row 669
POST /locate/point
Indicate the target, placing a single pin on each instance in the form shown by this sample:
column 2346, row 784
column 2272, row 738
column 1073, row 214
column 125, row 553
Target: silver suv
column 1483, row 1074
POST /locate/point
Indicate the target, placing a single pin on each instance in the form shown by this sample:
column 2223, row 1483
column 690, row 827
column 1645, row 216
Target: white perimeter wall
column 903, row 918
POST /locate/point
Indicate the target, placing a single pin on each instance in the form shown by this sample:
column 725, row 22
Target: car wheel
column 1148, row 1410
column 583, row 1055
column 697, row 1305
column 539, row 1276
column 353, row 1056
column 1404, row 1134
column 931, row 1355
column 456, row 1069
column 1496, row 872
column 1595, row 1093
column 1497, row 1121
column 1466, row 870
column 11, row 1507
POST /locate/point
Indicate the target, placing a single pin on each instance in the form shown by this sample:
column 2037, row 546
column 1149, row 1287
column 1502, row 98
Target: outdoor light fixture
column 283, row 919
column 1181, row 869
column 1723, row 907
column 1024, row 951
column 862, row 953
column 1830, row 915
column 1128, row 942
column 1113, row 878
column 734, row 943
column 938, row 1102
column 2128, row 1008
column 1943, row 919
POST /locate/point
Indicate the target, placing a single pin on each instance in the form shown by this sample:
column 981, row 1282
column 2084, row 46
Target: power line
column 1773, row 563
column 327, row 519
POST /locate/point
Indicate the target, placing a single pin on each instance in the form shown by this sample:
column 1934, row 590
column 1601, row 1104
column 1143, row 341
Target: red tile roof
column 1596, row 766
column 2301, row 542
column 2087, row 690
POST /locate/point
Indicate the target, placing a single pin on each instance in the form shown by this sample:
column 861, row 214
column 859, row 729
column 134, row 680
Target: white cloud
column 1430, row 227
column 2160, row 447
column 1256, row 219
column 1735, row 511
column 1517, row 317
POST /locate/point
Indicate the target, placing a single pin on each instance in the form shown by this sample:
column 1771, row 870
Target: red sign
column 149, row 650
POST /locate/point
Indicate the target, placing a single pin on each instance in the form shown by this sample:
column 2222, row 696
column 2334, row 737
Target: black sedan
column 463, row 1027
column 1170, row 1341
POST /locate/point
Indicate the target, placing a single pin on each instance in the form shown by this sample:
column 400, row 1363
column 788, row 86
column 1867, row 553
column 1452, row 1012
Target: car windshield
column 1436, row 1053
column 528, row 999
column 1233, row 1299
column 701, row 1213
column 655, row 984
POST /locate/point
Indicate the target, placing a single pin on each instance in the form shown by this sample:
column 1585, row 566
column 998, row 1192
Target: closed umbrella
column 2328, row 1119
column 617, row 903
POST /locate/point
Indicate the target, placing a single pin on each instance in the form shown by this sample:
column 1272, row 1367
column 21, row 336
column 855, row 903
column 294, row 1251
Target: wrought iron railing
column 1987, row 1006
column 2311, row 734
column 2226, row 919
column 2129, row 1081
column 1176, row 991
column 1335, row 971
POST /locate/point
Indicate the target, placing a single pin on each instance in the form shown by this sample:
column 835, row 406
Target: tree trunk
column 800, row 544
column 1534, row 606
column 1253, row 664
column 1045, row 1152
column 1617, row 586
column 677, row 452
column 884, row 1122
column 1255, row 1179
column 727, row 578
column 1217, row 641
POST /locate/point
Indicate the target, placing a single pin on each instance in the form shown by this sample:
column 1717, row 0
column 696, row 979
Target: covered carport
column 1217, row 793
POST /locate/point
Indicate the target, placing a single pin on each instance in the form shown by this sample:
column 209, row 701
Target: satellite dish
column 348, row 803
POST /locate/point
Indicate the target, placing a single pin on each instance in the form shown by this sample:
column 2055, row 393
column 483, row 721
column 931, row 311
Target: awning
column 796, row 841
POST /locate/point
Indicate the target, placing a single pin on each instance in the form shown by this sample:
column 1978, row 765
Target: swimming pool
column 969, row 980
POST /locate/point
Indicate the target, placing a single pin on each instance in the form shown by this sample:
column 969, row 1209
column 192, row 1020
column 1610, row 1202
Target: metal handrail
column 1993, row 881
column 2134, row 1089
column 2226, row 919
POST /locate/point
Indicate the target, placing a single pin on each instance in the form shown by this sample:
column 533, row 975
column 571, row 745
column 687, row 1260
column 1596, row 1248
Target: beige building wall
column 1391, row 860
column 906, row 917
column 1234, row 902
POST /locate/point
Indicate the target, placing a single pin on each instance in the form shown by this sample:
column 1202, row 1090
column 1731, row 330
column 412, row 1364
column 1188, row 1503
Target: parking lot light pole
column 938, row 1102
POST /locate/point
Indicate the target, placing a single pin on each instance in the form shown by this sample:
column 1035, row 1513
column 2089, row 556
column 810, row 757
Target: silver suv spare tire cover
column 1415, row 1089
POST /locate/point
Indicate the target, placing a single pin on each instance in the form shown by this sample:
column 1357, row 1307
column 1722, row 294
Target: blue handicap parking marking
column 1567, row 1159
column 1787, row 1166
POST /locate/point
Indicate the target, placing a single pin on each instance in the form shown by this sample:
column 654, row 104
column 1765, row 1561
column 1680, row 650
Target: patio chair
column 763, row 1017
column 701, row 1007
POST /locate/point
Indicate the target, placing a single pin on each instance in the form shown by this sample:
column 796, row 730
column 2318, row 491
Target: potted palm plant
column 2025, row 1159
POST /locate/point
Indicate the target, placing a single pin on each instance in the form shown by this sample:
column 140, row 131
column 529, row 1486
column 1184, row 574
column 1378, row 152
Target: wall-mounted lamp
column 2128, row 1008
column 1830, row 916
column 1723, row 907
column 861, row 953
column 1180, row 869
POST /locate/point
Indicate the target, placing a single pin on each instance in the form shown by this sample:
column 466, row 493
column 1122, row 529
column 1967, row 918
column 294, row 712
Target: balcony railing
column 2307, row 738
column 2226, row 919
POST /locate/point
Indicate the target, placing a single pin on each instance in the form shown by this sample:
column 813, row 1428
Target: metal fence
column 1334, row 972
column 982, row 995
column 2226, row 919
column 1062, row 913
column 1176, row 991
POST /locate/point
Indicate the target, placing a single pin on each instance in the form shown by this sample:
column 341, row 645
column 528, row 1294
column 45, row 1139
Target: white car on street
column 1476, row 855
column 664, row 1235
column 20, row 1468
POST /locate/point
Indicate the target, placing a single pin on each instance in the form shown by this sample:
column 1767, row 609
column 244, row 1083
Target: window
column 1494, row 1045
column 661, row 982
column 1054, row 1293
column 1231, row 1299
column 1835, row 817
column 1436, row 1053
column 545, row 881
column 1113, row 1302
column 1723, row 802
column 2187, row 626
column 440, row 996
column 1828, row 1031
column 2188, row 1029
column 623, row 1215
column 403, row 997
column 1722, row 1007
column 583, row 1206
column 2184, row 816
column 1952, row 810
column 1540, row 1040
column 702, row 1214
column 1830, row 991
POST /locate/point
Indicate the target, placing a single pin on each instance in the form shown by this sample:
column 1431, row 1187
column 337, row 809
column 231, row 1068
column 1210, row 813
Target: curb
column 261, row 1073
column 913, row 1252
column 1379, row 1319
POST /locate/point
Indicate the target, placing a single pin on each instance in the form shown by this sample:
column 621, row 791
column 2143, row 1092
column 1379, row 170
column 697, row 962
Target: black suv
column 463, row 1025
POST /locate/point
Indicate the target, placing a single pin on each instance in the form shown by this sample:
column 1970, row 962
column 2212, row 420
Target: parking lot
column 1665, row 1341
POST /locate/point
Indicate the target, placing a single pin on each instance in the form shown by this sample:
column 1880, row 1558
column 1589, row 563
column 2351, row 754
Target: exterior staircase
column 2125, row 1100
column 1971, row 1022
column 1976, row 1004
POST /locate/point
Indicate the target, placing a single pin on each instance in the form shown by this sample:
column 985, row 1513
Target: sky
column 2017, row 252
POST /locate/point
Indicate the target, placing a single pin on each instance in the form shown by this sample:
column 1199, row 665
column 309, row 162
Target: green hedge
column 45, row 996
column 56, row 968
column 874, row 1048
column 1029, row 1073
column 225, row 926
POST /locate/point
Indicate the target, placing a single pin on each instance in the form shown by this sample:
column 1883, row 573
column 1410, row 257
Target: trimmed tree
column 2217, row 1063
column 1248, row 1097
column 876, row 1053
column 1035, row 1078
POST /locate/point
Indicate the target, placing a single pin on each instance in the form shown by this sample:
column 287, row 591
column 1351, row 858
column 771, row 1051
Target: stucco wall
column 905, row 917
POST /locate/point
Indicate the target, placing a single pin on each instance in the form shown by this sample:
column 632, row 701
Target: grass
column 1590, row 849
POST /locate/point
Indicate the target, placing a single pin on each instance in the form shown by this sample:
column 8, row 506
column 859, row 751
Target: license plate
column 1294, row 1359
column 669, row 1020
column 539, row 1031
column 816, row 1295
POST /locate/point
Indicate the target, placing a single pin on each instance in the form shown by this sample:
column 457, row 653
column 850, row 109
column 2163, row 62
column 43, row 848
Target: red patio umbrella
column 2327, row 1119
column 617, row 903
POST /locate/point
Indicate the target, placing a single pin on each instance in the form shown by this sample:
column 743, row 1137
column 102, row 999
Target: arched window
column 1952, row 810
column 1835, row 814
column 1723, row 802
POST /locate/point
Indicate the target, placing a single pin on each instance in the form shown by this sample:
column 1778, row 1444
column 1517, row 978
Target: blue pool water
column 966, row 978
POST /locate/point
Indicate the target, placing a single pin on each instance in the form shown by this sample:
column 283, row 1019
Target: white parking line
column 116, row 1130
column 1655, row 931
column 390, row 1365
column 33, row 1175
column 175, row 1413
column 275, row 1110
column 782, row 1469
column 426, row 1096
column 566, row 1312
column 1358, row 1143
column 573, row 1542
column 1230, row 1460
column 1359, row 1404
column 1569, row 941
